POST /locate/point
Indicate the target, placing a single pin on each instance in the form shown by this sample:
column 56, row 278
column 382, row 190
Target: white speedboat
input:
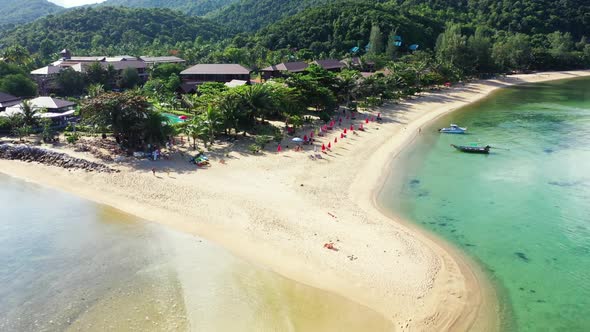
column 453, row 129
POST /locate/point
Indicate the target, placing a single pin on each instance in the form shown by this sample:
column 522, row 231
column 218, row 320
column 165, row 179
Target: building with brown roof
column 283, row 68
column 223, row 73
column 330, row 64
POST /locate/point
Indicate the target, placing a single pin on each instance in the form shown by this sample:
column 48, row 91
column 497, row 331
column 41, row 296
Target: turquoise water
column 67, row 264
column 523, row 211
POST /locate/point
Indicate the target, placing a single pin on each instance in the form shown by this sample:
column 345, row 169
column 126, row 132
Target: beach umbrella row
column 325, row 128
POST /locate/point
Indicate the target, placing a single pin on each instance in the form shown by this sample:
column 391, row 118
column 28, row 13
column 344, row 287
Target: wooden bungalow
column 330, row 64
column 283, row 68
column 222, row 73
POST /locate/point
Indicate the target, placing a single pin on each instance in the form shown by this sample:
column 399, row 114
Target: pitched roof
column 161, row 59
column 329, row 64
column 49, row 70
column 4, row 97
column 216, row 69
column 235, row 83
column 293, row 67
column 50, row 103
column 120, row 58
column 8, row 100
column 87, row 58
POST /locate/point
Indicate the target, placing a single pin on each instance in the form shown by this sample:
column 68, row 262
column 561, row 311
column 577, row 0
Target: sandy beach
column 279, row 209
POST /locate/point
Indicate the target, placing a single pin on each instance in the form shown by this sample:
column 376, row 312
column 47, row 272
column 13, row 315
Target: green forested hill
column 22, row 11
column 341, row 26
column 190, row 7
column 526, row 16
column 109, row 30
column 251, row 15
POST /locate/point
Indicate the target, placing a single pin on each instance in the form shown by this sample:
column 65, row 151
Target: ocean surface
column 67, row 264
column 522, row 212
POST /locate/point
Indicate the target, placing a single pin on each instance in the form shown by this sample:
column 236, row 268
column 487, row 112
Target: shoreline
column 281, row 219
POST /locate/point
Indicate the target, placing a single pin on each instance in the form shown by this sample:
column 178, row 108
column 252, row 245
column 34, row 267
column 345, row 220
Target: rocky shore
column 33, row 154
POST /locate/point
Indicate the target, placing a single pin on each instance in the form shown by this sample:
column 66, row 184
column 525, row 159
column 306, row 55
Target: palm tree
column 156, row 127
column 231, row 110
column 209, row 124
column 419, row 68
column 194, row 130
column 259, row 100
column 347, row 85
column 95, row 90
column 29, row 114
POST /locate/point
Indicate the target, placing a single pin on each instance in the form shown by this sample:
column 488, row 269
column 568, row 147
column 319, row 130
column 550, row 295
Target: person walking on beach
column 154, row 171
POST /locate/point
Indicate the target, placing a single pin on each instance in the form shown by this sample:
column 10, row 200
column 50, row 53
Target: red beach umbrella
column 345, row 130
column 366, row 120
column 351, row 127
column 323, row 147
column 279, row 148
column 335, row 139
column 329, row 145
column 341, row 135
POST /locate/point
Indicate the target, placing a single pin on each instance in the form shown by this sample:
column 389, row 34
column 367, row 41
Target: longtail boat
column 473, row 149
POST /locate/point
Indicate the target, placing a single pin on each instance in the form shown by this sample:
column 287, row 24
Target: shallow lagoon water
column 67, row 264
column 523, row 212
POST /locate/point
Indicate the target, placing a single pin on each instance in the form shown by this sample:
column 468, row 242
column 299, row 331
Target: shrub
column 72, row 138
column 325, row 116
column 5, row 124
column 254, row 148
column 262, row 140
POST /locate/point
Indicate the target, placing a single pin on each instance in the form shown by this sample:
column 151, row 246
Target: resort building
column 284, row 68
column 7, row 100
column 158, row 60
column 222, row 73
column 58, row 110
column 330, row 64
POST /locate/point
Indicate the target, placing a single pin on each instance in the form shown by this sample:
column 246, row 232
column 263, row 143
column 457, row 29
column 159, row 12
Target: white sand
column 275, row 211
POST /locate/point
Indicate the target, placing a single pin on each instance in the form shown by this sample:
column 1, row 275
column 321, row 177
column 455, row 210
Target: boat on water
column 473, row 149
column 453, row 129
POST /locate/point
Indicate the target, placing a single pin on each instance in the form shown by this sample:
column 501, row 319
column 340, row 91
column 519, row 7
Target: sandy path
column 275, row 211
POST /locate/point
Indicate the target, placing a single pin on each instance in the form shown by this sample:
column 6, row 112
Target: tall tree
column 451, row 47
column 129, row 78
column 375, row 40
